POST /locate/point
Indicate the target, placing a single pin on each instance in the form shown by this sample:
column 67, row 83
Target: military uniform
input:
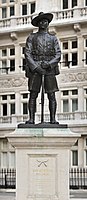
column 42, row 53
column 42, row 48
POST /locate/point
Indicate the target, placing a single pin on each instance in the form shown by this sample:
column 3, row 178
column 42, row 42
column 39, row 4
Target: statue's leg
column 52, row 107
column 32, row 107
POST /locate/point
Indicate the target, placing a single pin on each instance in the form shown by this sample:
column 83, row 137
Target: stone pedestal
column 42, row 162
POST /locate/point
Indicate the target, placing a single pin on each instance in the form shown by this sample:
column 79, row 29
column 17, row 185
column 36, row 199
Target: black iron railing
column 8, row 178
column 78, row 178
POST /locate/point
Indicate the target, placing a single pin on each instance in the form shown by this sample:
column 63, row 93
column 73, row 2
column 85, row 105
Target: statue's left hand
column 46, row 65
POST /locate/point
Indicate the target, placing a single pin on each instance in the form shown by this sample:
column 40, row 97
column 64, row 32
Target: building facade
column 70, row 26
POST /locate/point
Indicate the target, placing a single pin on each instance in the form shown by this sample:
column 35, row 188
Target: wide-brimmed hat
column 41, row 15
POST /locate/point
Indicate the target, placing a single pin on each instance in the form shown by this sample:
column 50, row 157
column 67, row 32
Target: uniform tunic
column 42, row 48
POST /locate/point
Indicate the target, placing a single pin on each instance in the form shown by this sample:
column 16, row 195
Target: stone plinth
column 42, row 162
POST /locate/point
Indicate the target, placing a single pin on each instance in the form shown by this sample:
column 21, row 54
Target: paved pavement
column 74, row 195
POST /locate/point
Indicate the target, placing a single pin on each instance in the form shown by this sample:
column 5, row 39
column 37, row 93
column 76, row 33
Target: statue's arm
column 57, row 54
column 28, row 54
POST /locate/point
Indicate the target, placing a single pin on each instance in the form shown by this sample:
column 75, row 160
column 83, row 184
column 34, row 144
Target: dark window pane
column 12, row 96
column 65, row 4
column 32, row 7
column 25, row 110
column 4, row 12
column 65, row 92
column 4, row 52
column 5, row 109
column 74, row 3
column 65, row 105
column 12, row 111
column 85, row 2
column 4, row 97
column 74, row 59
column 86, row 43
column 74, row 105
column 65, row 45
column 24, row 9
column 65, row 59
column 86, row 141
column 12, row 65
column 12, row 0
column 12, row 12
column 3, row 1
column 23, row 50
column 25, row 96
column 74, row 92
column 86, row 104
column 12, row 52
column 86, row 59
column 75, row 158
column 74, row 44
column 24, row 63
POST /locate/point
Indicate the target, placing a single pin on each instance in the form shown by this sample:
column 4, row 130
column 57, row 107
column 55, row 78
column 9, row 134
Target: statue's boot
column 32, row 110
column 52, row 108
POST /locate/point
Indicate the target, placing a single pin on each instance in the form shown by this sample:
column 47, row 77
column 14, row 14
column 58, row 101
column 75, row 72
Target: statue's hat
column 41, row 15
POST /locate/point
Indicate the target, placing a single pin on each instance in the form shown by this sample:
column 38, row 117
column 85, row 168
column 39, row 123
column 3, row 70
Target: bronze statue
column 42, row 54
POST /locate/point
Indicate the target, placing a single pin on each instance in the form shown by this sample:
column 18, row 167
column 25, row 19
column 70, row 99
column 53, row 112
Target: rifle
column 42, row 100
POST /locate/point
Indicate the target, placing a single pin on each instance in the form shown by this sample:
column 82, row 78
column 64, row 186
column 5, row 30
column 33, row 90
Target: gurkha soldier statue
column 42, row 54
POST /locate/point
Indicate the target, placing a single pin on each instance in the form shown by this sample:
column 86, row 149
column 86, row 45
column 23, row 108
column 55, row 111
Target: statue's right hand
column 40, row 71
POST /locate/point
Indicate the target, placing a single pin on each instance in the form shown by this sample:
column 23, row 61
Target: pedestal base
column 42, row 162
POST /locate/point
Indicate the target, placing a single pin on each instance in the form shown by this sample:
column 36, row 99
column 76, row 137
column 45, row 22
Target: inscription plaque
column 42, row 175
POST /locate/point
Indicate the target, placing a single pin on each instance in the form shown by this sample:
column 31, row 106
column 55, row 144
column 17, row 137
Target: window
column 12, row 96
column 4, row 66
column 65, row 92
column 74, row 92
column 4, row 97
column 25, row 96
column 24, row 9
column 12, row 159
column 65, row 4
column 12, row 51
column 69, row 56
column 32, row 8
column 4, row 12
column 74, row 44
column 69, row 100
column 12, row 11
column 65, row 59
column 75, row 158
column 4, row 160
column 23, row 61
column 7, row 59
column 25, row 109
column 85, row 2
column 65, row 105
column 3, row 1
column 12, row 109
column 12, row 0
column 5, row 109
column 65, row 45
column 12, row 65
column 74, row 3
column 74, row 59
column 23, row 50
column 86, row 157
column 74, row 105
column 4, row 52
column 85, row 52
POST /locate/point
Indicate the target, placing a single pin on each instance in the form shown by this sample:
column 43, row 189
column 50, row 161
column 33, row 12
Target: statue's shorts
column 50, row 83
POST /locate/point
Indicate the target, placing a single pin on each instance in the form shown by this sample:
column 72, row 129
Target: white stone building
column 70, row 26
